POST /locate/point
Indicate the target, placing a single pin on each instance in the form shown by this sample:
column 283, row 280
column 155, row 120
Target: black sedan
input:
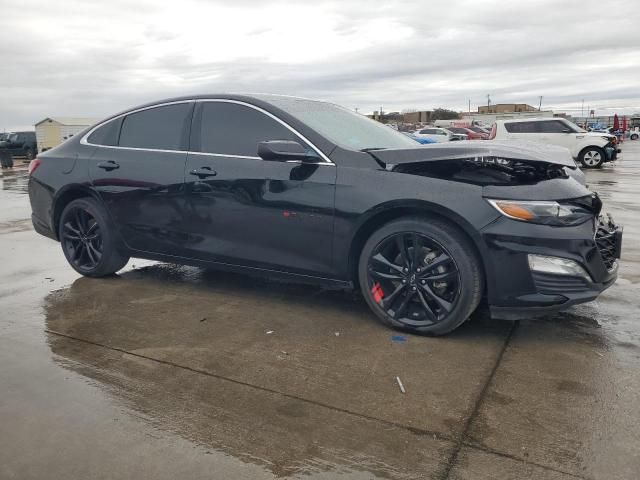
column 310, row 190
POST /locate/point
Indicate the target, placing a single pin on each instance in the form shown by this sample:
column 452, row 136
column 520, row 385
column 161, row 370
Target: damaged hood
column 507, row 150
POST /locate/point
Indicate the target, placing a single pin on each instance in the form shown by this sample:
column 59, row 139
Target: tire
column 448, row 280
column 88, row 239
column 29, row 154
column 634, row 136
column 592, row 157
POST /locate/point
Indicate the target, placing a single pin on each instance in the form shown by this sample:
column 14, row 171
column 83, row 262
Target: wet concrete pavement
column 169, row 372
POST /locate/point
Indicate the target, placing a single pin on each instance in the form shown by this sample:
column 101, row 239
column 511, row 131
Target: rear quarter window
column 106, row 134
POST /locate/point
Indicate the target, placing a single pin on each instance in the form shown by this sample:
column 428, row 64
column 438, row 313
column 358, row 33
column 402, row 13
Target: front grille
column 550, row 283
column 607, row 241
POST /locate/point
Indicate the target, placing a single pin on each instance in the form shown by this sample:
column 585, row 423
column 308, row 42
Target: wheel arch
column 385, row 213
column 66, row 195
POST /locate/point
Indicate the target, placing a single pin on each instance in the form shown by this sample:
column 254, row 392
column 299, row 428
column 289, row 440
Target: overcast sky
column 93, row 58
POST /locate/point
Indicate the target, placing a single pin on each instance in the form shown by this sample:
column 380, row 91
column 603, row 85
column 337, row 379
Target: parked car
column 20, row 144
column 471, row 134
column 482, row 131
column 591, row 149
column 313, row 191
column 421, row 140
column 634, row 135
column 437, row 134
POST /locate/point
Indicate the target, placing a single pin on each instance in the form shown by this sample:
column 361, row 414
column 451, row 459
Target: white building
column 52, row 131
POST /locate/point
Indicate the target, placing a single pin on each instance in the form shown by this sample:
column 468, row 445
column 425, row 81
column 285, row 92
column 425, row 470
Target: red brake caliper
column 377, row 292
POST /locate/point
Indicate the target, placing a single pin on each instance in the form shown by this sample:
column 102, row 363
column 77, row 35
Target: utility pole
column 469, row 105
column 540, row 104
column 582, row 110
column 488, row 100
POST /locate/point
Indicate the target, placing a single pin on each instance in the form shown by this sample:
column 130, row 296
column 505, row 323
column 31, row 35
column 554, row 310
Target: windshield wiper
column 371, row 149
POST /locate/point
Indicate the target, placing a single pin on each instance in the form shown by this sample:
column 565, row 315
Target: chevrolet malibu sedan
column 312, row 191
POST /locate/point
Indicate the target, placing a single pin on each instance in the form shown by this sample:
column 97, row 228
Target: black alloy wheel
column 421, row 275
column 82, row 239
column 88, row 240
column 413, row 279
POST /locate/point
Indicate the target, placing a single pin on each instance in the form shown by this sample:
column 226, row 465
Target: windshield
column 343, row 127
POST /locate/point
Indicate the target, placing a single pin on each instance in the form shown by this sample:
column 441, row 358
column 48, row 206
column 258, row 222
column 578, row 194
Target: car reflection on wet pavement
column 179, row 372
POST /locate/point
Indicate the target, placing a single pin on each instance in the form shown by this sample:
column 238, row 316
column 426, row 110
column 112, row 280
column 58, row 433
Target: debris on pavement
column 398, row 338
column 400, row 385
column 269, row 332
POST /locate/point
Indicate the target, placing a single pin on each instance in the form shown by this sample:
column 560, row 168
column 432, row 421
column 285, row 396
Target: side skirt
column 243, row 269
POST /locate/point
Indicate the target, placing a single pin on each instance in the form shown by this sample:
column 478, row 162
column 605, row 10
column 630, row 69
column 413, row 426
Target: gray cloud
column 87, row 58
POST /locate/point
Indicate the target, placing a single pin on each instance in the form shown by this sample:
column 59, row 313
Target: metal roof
column 70, row 121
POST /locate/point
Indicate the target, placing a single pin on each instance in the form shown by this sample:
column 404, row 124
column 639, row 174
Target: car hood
column 507, row 150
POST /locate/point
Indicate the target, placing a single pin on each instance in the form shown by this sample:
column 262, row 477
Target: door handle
column 203, row 172
column 108, row 166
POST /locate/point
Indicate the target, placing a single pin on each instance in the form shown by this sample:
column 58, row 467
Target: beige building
column 506, row 108
column 52, row 131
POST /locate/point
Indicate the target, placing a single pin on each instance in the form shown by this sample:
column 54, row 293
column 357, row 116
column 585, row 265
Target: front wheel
column 592, row 157
column 420, row 275
column 88, row 242
column 634, row 136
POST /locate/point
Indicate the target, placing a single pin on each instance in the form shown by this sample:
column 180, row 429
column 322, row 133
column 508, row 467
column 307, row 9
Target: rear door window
column 157, row 128
column 232, row 129
column 522, row 127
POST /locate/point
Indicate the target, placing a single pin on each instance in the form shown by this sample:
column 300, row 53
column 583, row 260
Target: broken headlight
column 543, row 212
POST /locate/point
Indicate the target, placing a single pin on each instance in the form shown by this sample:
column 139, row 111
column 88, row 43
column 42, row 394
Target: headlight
column 543, row 212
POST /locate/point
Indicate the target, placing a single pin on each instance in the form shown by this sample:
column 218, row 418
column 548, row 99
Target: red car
column 469, row 132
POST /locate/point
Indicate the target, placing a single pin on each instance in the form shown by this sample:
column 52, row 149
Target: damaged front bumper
column 516, row 290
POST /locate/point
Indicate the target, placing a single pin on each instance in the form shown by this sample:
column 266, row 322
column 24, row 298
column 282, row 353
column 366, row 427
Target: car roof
column 534, row 119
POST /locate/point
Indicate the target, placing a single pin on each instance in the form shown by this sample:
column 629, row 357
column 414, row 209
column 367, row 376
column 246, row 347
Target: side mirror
column 283, row 150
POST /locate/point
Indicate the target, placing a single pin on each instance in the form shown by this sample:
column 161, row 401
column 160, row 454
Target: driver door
column 243, row 210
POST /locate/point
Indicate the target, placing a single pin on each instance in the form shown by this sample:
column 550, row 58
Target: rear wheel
column 29, row 154
column 634, row 136
column 420, row 275
column 592, row 157
column 87, row 239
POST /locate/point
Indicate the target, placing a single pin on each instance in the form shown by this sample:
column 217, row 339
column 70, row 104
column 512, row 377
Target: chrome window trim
column 84, row 140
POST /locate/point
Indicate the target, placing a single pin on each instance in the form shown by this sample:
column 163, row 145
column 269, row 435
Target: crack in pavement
column 414, row 430
column 459, row 441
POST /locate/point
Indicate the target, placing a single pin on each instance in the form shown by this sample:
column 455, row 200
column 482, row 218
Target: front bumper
column 514, row 291
column 611, row 151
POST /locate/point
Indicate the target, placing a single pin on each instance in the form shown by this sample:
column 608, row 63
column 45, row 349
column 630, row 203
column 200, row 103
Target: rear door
column 245, row 210
column 138, row 170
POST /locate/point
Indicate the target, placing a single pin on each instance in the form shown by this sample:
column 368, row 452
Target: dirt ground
column 178, row 372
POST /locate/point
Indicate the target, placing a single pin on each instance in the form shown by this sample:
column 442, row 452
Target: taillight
column 33, row 165
column 494, row 129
